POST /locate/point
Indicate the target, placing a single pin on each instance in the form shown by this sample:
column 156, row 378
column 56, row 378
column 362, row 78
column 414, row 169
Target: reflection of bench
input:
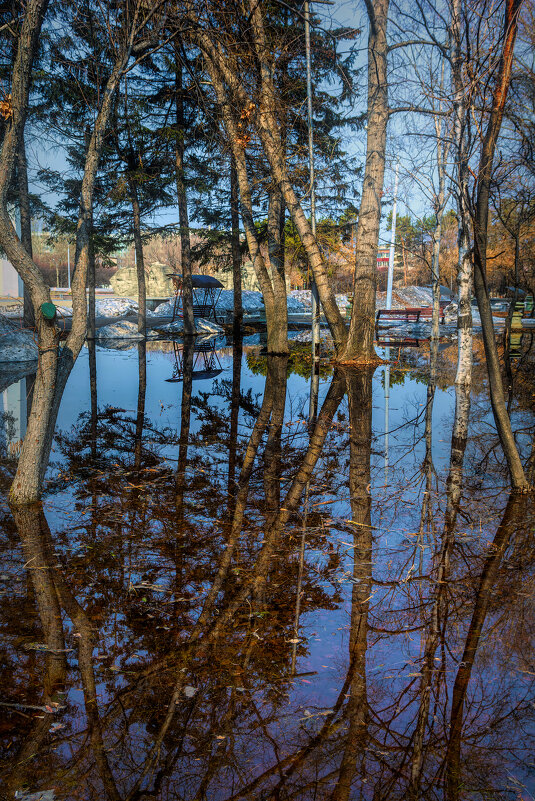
column 407, row 315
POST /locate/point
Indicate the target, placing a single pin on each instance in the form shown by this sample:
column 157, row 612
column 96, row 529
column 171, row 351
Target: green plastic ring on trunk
column 48, row 310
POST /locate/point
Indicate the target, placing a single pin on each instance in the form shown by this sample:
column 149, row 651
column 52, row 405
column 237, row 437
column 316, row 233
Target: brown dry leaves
column 6, row 107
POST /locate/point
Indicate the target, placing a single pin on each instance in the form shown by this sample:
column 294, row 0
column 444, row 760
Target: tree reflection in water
column 184, row 649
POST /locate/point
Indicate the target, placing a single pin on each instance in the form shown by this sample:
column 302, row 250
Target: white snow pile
column 165, row 309
column 115, row 307
column 64, row 311
column 306, row 336
column 304, row 298
column 122, row 329
column 12, row 310
column 16, row 344
column 252, row 303
column 118, row 307
column 202, row 326
column 295, row 306
column 407, row 297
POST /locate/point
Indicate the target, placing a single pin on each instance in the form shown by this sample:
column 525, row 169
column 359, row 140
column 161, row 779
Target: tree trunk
column 235, row 247
column 463, row 376
column 25, row 223
column 269, row 132
column 141, row 394
column 278, row 332
column 277, row 366
column 91, row 286
column 359, row 393
column 513, row 518
column 274, row 152
column 54, row 367
column 237, row 350
column 480, row 224
column 185, row 422
column 440, row 202
column 185, row 245
column 251, row 234
column 362, row 328
column 140, row 262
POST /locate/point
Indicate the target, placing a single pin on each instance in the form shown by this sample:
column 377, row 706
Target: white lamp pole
column 392, row 245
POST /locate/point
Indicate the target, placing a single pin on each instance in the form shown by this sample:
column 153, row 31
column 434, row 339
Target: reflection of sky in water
column 394, row 645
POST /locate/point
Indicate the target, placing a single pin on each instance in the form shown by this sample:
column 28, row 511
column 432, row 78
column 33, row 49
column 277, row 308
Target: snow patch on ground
column 306, row 336
column 202, row 326
column 16, row 344
column 252, row 303
column 118, row 307
column 303, row 298
column 122, row 329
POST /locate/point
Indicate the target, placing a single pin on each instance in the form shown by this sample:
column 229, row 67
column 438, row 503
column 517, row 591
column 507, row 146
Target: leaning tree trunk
column 480, row 223
column 25, row 223
column 238, row 153
column 54, row 366
column 512, row 521
column 362, row 328
column 268, row 129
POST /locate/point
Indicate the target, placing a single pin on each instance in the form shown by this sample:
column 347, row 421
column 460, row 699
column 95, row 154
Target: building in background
column 11, row 285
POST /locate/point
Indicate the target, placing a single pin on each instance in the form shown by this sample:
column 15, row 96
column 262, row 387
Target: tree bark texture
column 25, row 222
column 278, row 336
column 183, row 218
column 140, row 261
column 91, row 287
column 465, row 269
column 235, row 247
column 269, row 132
column 480, row 225
column 362, row 328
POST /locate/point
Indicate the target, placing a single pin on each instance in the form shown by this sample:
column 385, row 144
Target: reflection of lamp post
column 387, row 401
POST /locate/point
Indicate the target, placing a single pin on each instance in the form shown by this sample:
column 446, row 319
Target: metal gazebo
column 206, row 292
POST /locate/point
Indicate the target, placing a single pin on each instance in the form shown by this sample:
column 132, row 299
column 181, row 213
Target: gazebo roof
column 200, row 281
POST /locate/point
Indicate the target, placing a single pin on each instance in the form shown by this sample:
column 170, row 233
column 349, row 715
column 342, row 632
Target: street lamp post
column 314, row 288
column 392, row 245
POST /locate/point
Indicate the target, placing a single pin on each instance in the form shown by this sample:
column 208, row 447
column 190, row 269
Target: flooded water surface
column 247, row 584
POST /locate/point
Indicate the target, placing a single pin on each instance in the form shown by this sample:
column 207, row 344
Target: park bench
column 407, row 315
column 403, row 315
